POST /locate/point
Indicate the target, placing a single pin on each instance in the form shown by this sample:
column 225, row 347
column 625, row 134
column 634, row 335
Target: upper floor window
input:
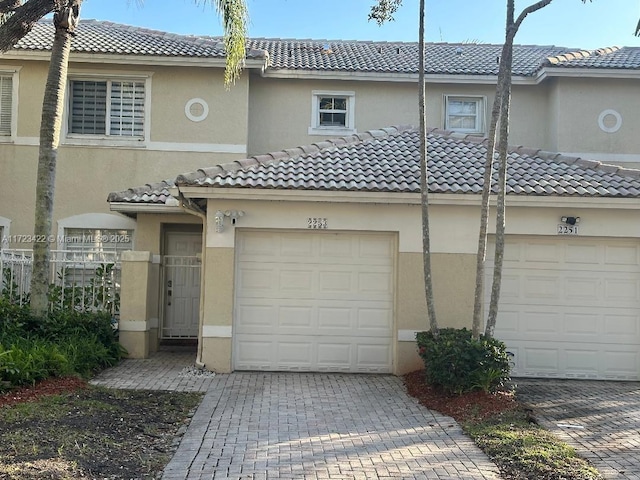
column 332, row 113
column 464, row 114
column 107, row 108
column 6, row 103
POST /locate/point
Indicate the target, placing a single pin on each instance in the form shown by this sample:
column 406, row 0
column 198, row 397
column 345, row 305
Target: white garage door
column 569, row 307
column 313, row 301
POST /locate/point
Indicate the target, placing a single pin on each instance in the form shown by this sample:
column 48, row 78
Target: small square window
column 332, row 113
column 464, row 114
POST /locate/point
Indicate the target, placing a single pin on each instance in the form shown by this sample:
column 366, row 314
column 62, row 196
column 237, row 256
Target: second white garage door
column 313, row 301
column 570, row 307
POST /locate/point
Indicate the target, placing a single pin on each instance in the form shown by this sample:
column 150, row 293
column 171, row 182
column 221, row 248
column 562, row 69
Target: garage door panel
column 582, row 254
column 540, row 287
column 579, row 289
column 541, row 253
column 621, row 290
column 623, row 326
column 575, row 316
column 334, row 303
column 624, row 255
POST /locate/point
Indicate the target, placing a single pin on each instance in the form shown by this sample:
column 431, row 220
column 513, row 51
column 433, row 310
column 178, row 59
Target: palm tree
column 381, row 12
column 18, row 19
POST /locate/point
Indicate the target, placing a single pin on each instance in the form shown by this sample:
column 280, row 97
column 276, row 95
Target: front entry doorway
column 181, row 266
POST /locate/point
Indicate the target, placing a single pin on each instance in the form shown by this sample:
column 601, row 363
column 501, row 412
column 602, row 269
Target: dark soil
column 62, row 429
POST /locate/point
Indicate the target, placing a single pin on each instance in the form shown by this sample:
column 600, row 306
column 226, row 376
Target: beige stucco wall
column 85, row 173
column 454, row 242
column 280, row 109
column 576, row 104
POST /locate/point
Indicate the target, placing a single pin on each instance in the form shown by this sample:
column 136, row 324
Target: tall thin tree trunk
column 50, row 127
column 485, row 202
column 503, row 145
column 499, row 114
column 424, row 181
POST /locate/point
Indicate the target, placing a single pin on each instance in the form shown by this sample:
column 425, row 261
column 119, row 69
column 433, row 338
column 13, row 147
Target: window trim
column 15, row 85
column 317, row 129
column 480, row 100
column 95, row 221
column 109, row 140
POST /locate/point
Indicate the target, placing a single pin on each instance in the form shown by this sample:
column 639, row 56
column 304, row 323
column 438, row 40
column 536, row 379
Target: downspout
column 192, row 209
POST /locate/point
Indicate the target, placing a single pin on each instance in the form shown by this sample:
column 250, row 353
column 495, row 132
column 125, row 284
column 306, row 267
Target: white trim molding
column 107, row 221
column 408, row 335
column 133, row 326
column 617, row 123
column 217, row 331
column 350, row 124
column 203, row 105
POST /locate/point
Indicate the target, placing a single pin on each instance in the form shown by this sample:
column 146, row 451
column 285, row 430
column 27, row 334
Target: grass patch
column 524, row 450
column 92, row 433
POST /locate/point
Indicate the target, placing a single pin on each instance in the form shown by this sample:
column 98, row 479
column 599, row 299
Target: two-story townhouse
column 263, row 243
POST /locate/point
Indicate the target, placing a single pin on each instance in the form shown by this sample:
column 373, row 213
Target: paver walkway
column 305, row 426
column 601, row 420
column 321, row 426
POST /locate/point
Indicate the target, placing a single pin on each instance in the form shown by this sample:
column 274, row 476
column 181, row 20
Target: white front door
column 314, row 301
column 181, row 284
column 569, row 307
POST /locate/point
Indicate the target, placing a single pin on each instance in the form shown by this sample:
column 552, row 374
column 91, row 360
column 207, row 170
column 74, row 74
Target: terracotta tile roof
column 389, row 57
column 153, row 193
column 93, row 36
column 104, row 37
column 387, row 161
column 611, row 57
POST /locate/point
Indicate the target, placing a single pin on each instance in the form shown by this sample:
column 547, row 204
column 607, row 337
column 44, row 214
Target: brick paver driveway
column 600, row 419
column 321, row 426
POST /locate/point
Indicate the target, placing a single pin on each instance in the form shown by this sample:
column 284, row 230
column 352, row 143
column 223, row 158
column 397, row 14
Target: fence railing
column 87, row 280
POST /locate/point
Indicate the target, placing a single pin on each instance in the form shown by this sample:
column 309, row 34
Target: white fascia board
column 390, row 77
column 103, row 58
column 402, row 198
column 125, row 207
column 587, row 72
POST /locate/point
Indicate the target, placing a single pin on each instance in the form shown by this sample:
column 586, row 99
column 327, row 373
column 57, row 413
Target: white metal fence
column 87, row 280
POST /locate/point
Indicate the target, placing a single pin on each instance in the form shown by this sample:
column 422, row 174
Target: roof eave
column 590, row 72
column 136, row 207
column 102, row 58
column 301, row 74
column 333, row 196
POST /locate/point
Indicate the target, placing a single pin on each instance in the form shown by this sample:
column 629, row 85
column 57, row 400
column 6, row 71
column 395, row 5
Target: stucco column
column 135, row 304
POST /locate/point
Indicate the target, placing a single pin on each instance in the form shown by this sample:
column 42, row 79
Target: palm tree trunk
column 50, row 126
column 424, row 182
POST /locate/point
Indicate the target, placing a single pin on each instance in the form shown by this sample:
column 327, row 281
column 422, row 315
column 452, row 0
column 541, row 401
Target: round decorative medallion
column 609, row 121
column 196, row 109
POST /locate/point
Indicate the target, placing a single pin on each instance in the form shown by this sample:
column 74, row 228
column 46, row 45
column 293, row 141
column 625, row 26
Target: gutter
column 189, row 207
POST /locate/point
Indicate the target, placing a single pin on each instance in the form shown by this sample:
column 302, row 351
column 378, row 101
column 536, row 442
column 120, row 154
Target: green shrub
column 62, row 343
column 458, row 363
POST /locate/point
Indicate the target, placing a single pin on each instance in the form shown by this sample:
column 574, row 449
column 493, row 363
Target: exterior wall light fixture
column 219, row 219
column 234, row 215
column 571, row 220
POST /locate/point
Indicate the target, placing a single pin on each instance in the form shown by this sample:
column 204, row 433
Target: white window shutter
column 88, row 107
column 6, row 101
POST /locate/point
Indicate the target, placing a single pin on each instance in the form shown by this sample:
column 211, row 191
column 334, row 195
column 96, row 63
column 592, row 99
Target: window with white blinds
column 6, row 103
column 107, row 107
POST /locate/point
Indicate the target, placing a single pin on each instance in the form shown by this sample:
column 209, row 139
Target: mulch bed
column 467, row 407
column 50, row 386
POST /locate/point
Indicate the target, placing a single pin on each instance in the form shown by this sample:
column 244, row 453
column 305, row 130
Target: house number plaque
column 317, row 223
